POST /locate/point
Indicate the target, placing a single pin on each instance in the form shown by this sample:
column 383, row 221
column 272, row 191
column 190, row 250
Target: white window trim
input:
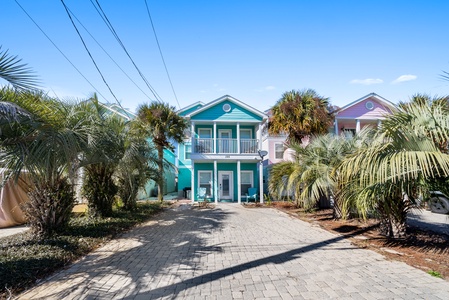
column 250, row 133
column 220, row 131
column 185, row 150
column 252, row 178
column 205, row 129
column 275, row 144
column 211, row 180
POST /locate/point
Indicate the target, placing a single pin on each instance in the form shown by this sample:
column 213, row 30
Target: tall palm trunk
column 160, row 183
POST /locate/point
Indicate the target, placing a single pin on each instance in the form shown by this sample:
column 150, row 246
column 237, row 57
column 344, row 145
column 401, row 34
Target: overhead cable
column 104, row 50
column 60, row 51
column 114, row 33
column 90, row 55
column 160, row 51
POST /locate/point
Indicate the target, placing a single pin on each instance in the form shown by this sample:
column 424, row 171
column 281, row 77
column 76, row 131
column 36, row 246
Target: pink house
column 369, row 110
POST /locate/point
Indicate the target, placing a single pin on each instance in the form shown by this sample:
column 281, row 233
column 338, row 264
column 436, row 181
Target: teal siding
column 184, row 178
column 233, row 128
column 217, row 113
column 182, row 161
column 231, row 166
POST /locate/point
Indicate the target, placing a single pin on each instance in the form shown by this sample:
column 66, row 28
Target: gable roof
column 231, row 99
column 193, row 106
column 371, row 95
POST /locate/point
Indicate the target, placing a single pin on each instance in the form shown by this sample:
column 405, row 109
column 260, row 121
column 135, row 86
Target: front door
column 225, row 185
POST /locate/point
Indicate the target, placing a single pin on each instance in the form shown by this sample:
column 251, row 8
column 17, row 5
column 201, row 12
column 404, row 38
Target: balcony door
column 225, row 141
column 225, row 185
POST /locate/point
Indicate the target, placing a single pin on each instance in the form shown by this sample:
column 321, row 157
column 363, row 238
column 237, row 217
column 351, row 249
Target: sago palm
column 39, row 138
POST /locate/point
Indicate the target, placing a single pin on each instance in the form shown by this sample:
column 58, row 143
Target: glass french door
column 225, row 185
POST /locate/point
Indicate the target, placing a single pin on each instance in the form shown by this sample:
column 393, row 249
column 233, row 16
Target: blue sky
column 251, row 50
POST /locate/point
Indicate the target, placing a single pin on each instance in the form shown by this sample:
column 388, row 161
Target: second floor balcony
column 225, row 146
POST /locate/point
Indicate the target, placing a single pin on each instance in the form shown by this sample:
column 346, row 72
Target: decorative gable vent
column 227, row 107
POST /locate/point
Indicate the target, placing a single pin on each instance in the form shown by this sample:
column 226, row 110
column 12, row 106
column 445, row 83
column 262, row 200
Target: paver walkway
column 236, row 252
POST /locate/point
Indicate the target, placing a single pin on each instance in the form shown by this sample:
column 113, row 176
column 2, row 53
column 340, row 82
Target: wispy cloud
column 404, row 78
column 266, row 88
column 367, row 81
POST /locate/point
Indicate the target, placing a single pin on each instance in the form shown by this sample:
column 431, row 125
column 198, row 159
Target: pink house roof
column 369, row 107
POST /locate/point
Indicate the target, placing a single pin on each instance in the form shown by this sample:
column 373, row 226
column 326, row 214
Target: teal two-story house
column 220, row 159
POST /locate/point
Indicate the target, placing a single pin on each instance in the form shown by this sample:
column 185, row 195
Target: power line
column 104, row 50
column 114, row 33
column 90, row 55
column 60, row 51
column 160, row 51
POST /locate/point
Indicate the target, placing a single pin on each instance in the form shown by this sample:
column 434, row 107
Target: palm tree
column 409, row 150
column 16, row 73
column 313, row 174
column 300, row 114
column 164, row 125
column 101, row 157
column 138, row 165
column 40, row 137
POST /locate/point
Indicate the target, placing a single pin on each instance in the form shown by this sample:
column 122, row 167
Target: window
column 204, row 142
column 279, row 150
column 246, row 181
column 187, row 150
column 205, row 181
column 247, row 145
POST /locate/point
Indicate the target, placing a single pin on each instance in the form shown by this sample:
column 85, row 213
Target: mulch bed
column 422, row 249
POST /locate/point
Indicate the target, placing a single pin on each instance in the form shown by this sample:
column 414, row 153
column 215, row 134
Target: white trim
column 201, row 129
column 239, row 180
column 192, row 183
column 231, row 183
column 247, row 129
column 190, row 106
column 274, row 146
column 215, row 182
column 210, row 182
column 185, row 150
column 230, row 99
column 371, row 95
column 252, row 179
column 220, row 131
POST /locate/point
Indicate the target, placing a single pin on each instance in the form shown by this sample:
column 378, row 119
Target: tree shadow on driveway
column 162, row 258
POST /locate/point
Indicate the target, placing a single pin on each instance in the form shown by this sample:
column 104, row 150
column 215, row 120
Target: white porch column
column 357, row 125
column 379, row 123
column 192, row 137
column 239, row 187
column 215, row 182
column 336, row 126
column 259, row 136
column 192, row 191
column 215, row 137
column 238, row 139
column 261, row 181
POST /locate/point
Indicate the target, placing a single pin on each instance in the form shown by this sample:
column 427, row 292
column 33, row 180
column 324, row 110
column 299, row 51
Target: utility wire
column 60, row 51
column 90, row 55
column 160, row 51
column 104, row 50
column 114, row 33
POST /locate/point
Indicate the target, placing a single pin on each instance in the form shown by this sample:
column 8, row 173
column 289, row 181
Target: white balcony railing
column 225, row 146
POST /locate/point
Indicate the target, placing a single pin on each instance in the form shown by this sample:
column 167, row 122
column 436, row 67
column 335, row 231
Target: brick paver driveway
column 236, row 252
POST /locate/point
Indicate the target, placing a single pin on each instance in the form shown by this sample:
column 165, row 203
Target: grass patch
column 24, row 260
column 434, row 273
